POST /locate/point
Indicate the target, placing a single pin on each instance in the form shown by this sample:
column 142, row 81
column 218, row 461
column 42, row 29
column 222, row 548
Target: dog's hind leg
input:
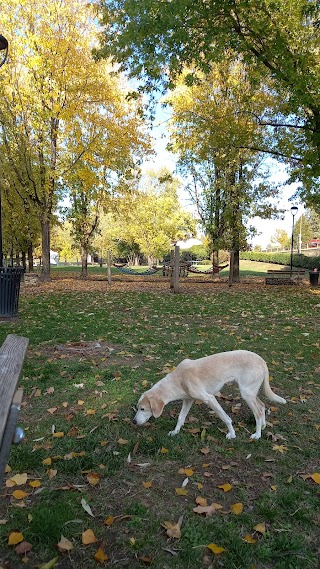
column 216, row 407
column 186, row 406
column 258, row 409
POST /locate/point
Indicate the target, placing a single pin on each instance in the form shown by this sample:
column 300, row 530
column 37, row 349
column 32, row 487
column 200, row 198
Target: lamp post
column 294, row 211
column 3, row 57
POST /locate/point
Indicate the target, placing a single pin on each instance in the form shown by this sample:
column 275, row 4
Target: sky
column 266, row 227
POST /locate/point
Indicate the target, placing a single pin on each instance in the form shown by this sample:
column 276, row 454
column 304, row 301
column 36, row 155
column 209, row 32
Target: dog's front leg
column 216, row 407
column 186, row 406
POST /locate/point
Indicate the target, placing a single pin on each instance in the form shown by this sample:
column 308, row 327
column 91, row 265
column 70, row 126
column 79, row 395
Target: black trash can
column 314, row 278
column 10, row 278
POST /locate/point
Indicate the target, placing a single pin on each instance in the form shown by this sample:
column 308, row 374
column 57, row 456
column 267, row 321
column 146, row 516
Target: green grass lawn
column 90, row 357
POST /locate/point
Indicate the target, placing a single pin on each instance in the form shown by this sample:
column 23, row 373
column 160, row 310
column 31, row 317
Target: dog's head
column 149, row 405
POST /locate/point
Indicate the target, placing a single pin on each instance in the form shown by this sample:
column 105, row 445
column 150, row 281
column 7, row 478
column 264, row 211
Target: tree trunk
column 30, row 258
column 24, row 259
column 45, row 229
column 84, row 261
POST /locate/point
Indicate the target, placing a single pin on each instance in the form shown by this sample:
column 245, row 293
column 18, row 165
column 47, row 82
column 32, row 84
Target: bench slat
column 12, row 353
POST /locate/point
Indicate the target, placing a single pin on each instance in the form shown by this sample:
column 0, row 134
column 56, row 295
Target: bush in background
column 302, row 261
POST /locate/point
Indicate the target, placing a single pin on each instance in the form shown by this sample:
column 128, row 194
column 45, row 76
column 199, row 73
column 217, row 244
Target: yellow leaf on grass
column 225, row 487
column 35, row 483
column 316, row 477
column 249, row 539
column 101, row 556
column 147, row 484
column 15, row 537
column 201, row 501
column 215, row 548
column 188, row 471
column 58, row 434
column 173, row 529
column 109, row 521
column 205, row 450
column 164, row 450
column 19, row 494
column 20, row 479
column 261, row 528
column 93, row 478
column 208, row 510
column 88, row 537
column 182, row 491
column 280, row 448
column 237, row 508
column 47, row 461
column 91, row 411
column 123, row 442
column 80, row 402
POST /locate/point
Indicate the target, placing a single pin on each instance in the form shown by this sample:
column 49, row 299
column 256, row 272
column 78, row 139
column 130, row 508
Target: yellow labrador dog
column 201, row 379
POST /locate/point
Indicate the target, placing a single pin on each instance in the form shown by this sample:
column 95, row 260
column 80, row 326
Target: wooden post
column 231, row 268
column 109, row 267
column 176, row 269
column 171, row 268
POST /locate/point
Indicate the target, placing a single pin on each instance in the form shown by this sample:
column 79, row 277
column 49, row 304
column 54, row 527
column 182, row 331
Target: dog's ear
column 156, row 406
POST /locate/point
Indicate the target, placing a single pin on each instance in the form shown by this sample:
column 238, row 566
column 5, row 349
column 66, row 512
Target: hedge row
column 282, row 259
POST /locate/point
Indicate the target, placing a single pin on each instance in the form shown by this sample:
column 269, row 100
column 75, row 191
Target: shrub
column 282, row 259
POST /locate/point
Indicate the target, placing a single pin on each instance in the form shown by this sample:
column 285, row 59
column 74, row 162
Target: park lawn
column 91, row 355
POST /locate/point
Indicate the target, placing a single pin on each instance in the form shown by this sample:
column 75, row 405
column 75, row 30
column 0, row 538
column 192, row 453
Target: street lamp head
column 3, row 49
column 294, row 210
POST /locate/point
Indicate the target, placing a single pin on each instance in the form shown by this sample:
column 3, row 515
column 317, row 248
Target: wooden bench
column 286, row 277
column 12, row 354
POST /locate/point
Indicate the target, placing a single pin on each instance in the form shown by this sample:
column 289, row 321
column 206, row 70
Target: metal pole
column 292, row 243
column 3, row 47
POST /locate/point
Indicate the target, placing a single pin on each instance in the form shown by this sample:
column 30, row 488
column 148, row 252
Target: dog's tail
column 268, row 391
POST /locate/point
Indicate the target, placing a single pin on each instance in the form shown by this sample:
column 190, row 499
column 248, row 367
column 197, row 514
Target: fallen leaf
column 208, row 510
column 188, row 471
column 237, row 508
column 205, row 450
column 19, row 494
column 15, row 537
column 181, row 491
column 164, row 450
column 225, row 487
column 101, row 556
column 201, row 501
column 91, row 411
column 123, row 442
column 280, row 448
column 19, row 479
column 50, row 564
column 173, row 529
column 35, row 483
column 51, row 472
column 109, row 521
column 47, row 461
column 93, row 478
column 64, row 544
column 88, row 537
column 249, row 539
column 58, row 434
column 23, row 547
column 215, row 548
column 86, row 507
column 261, row 528
column 147, row 484
column 316, row 477
column 52, row 410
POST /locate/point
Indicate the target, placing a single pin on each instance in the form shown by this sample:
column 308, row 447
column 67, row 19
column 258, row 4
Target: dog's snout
column 134, row 421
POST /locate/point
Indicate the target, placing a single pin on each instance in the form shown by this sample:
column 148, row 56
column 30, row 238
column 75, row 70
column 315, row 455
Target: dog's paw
column 172, row 433
column 255, row 436
column 231, row 436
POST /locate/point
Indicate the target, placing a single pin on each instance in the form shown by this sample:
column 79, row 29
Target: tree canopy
column 279, row 38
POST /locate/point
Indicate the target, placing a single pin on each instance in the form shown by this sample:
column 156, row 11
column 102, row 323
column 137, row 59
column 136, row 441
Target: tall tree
column 211, row 133
column 281, row 38
column 51, row 86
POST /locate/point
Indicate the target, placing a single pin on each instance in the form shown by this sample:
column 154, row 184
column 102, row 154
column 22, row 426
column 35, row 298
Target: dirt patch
column 105, row 353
